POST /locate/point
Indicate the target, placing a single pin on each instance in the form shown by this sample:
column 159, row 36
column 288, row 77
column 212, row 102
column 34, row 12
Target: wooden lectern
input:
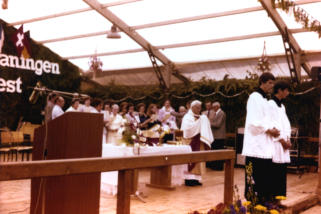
column 72, row 135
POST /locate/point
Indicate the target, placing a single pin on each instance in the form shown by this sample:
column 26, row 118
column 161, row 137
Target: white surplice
column 281, row 122
column 256, row 142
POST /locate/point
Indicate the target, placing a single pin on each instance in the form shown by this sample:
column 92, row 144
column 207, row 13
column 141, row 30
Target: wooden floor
column 15, row 195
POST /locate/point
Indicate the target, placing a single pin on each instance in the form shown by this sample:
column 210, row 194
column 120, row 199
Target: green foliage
column 303, row 110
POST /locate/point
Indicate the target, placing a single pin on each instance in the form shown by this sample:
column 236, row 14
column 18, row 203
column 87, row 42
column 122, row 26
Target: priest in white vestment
column 197, row 128
column 281, row 145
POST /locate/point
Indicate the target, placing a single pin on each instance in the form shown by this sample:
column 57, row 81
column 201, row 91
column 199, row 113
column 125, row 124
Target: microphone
column 35, row 93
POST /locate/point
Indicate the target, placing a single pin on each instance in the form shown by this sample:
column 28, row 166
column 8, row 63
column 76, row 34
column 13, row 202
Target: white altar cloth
column 109, row 180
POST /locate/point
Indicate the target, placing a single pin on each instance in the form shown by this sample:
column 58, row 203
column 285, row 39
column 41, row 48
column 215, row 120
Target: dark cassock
column 197, row 129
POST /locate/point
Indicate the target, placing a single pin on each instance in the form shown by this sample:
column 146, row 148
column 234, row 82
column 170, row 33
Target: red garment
column 196, row 146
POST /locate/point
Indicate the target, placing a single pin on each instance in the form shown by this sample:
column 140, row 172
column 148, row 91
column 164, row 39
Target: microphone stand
column 46, row 90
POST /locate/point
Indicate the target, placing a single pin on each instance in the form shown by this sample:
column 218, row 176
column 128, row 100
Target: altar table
column 161, row 177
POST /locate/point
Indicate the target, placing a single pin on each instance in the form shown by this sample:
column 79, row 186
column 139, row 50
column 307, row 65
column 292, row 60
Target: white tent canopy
column 206, row 33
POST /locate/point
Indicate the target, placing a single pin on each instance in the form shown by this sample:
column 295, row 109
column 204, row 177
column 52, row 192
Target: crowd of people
column 139, row 117
column 266, row 136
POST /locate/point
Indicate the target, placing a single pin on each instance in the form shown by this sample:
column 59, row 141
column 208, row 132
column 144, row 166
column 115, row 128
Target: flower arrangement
column 130, row 135
column 247, row 207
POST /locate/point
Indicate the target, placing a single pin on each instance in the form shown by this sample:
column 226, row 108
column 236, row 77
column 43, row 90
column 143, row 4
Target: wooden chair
column 28, row 130
column 6, row 143
column 18, row 140
column 295, row 150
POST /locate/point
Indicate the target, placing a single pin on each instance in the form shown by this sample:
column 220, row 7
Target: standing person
column 152, row 116
column 218, row 124
column 165, row 116
column 208, row 108
column 142, row 116
column 188, row 105
column 97, row 106
column 86, row 106
column 107, row 107
column 281, row 155
column 57, row 109
column 74, row 105
column 132, row 116
column 106, row 111
column 258, row 142
column 179, row 115
column 197, row 128
column 115, row 126
column 123, row 109
column 50, row 104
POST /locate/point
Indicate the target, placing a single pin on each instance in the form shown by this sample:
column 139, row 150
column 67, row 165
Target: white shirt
column 94, row 110
column 166, row 113
column 256, row 142
column 106, row 115
column 83, row 108
column 71, row 109
column 116, row 122
column 57, row 111
column 133, row 118
column 281, row 122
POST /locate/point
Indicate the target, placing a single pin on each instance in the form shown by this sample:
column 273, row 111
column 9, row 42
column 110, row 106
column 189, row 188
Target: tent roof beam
column 174, row 21
column 105, row 12
column 187, row 44
column 71, row 12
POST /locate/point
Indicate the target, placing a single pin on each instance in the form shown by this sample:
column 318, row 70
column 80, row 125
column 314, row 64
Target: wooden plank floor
column 15, row 195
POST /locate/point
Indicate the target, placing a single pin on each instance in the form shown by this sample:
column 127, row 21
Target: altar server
column 281, row 145
column 258, row 141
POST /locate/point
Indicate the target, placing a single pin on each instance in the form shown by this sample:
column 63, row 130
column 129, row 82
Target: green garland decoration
column 300, row 15
column 200, row 95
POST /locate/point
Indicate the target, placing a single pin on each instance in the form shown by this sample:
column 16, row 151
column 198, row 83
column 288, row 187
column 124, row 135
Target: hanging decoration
column 300, row 15
column 263, row 64
column 95, row 65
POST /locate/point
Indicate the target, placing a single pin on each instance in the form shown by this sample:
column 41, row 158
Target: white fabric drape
column 192, row 126
column 109, row 180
